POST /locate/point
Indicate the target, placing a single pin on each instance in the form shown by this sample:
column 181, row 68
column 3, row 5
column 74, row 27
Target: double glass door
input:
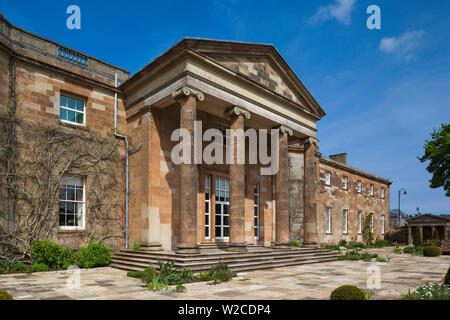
column 222, row 211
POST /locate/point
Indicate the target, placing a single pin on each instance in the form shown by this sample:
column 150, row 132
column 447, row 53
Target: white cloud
column 402, row 45
column 340, row 10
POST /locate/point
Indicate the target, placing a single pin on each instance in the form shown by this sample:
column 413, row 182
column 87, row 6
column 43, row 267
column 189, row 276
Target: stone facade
column 197, row 80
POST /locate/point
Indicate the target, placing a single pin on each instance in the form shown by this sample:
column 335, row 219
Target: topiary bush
column 431, row 251
column 348, row 292
column 447, row 278
column 5, row 295
column 94, row 255
column 418, row 242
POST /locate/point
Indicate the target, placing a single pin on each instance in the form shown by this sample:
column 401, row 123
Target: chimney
column 340, row 157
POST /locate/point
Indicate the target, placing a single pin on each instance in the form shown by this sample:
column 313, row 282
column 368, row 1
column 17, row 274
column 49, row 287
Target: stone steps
column 253, row 260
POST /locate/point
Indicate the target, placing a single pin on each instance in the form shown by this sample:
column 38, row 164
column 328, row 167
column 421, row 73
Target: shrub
column 367, row 229
column 186, row 274
column 39, row 267
column 342, row 243
column 348, row 292
column 204, row 276
column 447, row 278
column 342, row 258
column 156, row 284
column 135, row 274
column 94, row 255
column 21, row 267
column 45, row 252
column 173, row 279
column 166, row 268
column 409, row 249
column 431, row 251
column 180, row 288
column 436, row 239
column 221, row 273
column 429, row 291
column 397, row 250
column 66, row 258
column 136, row 247
column 5, row 295
column 8, row 265
column 294, row 244
column 379, row 259
column 418, row 238
column 148, row 274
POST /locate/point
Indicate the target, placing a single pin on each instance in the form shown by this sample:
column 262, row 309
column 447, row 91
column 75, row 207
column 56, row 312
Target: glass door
column 222, row 208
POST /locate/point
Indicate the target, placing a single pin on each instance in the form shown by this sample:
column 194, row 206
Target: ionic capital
column 310, row 140
column 186, row 92
column 284, row 129
column 237, row 111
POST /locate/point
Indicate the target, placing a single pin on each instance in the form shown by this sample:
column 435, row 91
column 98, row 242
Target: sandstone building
column 311, row 199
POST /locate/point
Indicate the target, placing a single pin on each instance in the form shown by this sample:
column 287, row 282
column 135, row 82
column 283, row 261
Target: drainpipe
column 125, row 138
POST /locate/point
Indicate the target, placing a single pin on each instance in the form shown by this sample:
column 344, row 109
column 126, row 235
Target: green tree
column 437, row 150
column 418, row 238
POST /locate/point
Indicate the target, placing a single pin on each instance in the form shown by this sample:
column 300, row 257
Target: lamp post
column 399, row 212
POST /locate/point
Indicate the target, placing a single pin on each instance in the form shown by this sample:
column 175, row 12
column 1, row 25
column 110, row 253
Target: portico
column 235, row 204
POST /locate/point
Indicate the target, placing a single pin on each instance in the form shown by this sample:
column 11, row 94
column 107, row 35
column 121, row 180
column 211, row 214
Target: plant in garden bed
column 379, row 259
column 5, row 295
column 429, row 291
column 431, row 251
column 397, row 250
column 348, row 292
column 294, row 244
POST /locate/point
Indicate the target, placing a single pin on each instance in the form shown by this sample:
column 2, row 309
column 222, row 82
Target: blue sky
column 383, row 90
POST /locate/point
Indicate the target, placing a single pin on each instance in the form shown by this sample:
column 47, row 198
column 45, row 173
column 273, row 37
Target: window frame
column 372, row 227
column 383, row 193
column 359, row 186
column 359, row 222
column 75, row 97
column 328, row 220
column 372, row 190
column 383, row 221
column 208, row 202
column 345, row 221
column 329, row 178
column 344, row 183
column 83, row 219
column 256, row 226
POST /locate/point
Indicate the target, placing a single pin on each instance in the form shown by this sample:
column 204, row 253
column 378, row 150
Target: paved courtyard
column 314, row 281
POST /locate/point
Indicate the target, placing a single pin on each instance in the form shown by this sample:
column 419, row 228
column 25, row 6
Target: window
column 382, row 193
column 345, row 183
column 328, row 178
column 71, row 110
column 360, row 222
column 371, row 190
column 382, row 224
column 71, row 203
column 223, row 128
column 359, row 187
column 328, row 220
column 207, row 207
column 222, row 208
column 371, row 222
column 345, row 222
column 256, row 210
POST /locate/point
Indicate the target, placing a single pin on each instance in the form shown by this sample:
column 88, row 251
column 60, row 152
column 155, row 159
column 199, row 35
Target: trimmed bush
column 51, row 254
column 39, row 267
column 5, row 295
column 447, row 278
column 431, row 251
column 418, row 242
column 348, row 292
column 94, row 255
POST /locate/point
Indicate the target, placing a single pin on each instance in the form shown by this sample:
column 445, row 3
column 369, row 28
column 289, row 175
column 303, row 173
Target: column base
column 237, row 247
column 151, row 246
column 310, row 244
column 188, row 248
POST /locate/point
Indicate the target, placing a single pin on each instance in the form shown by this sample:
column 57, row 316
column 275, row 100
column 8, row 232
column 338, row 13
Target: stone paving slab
column 313, row 281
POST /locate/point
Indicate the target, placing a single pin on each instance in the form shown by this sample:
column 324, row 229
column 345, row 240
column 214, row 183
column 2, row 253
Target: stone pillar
column 446, row 233
column 310, row 194
column 187, row 98
column 410, row 239
column 282, row 190
column 237, row 179
column 421, row 233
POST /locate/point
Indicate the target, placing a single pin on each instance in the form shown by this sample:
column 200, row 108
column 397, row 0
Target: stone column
column 237, row 179
column 446, row 233
column 410, row 240
column 310, row 193
column 282, row 190
column 188, row 185
column 421, row 233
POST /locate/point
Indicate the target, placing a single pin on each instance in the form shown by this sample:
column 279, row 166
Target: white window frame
column 383, row 193
column 83, row 215
column 382, row 223
column 256, row 196
column 328, row 178
column 371, row 188
column 328, row 220
column 70, row 109
column 359, row 222
column 371, row 223
column 345, row 221
column 345, row 183
column 226, row 191
column 208, row 185
column 359, row 186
